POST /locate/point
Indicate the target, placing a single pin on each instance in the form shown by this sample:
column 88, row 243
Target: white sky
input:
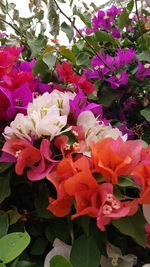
column 22, row 6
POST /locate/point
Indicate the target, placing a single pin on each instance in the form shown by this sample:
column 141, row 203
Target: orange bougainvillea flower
column 67, row 187
column 113, row 158
column 142, row 172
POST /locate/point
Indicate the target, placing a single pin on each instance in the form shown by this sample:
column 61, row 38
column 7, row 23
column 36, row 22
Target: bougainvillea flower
column 64, row 71
column 100, row 203
column 113, row 158
column 143, row 71
column 118, row 80
column 101, row 20
column 45, row 165
column 25, row 153
column 116, row 33
column 115, row 258
column 65, row 170
column 113, row 11
column 141, row 174
column 8, row 56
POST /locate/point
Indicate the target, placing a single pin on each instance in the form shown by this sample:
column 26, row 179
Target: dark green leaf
column 12, row 245
column 68, row 30
column 5, row 187
column 41, row 201
column 129, row 226
column 146, row 114
column 26, row 264
column 58, row 261
column 85, row 252
column 3, row 223
column 4, row 166
column 39, row 246
column 102, row 36
column 130, row 5
column 2, row 24
column 14, row 216
column 39, row 67
column 49, row 59
column 124, row 20
column 107, row 97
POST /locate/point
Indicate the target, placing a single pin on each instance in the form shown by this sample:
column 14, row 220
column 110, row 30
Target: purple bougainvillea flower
column 113, row 12
column 80, row 104
column 116, row 33
column 143, row 71
column 101, row 21
column 27, row 66
column 118, row 80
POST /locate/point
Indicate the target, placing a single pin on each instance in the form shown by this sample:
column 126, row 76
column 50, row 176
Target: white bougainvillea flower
column 21, row 127
column 43, row 103
column 115, row 258
column 146, row 212
column 60, row 248
column 94, row 130
column 49, row 125
column 146, row 265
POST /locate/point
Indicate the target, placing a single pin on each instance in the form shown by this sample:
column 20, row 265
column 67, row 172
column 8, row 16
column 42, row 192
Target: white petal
column 60, row 248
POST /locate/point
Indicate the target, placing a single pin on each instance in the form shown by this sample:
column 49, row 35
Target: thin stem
column 87, row 42
column 8, row 23
column 137, row 14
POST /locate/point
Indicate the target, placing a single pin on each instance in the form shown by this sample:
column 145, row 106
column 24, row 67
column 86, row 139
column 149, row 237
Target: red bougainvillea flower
column 113, row 158
column 25, row 154
column 100, row 203
column 64, row 71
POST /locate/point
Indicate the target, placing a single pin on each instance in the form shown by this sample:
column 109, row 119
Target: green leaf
column 124, row 20
column 41, row 201
column 37, row 45
column 2, row 24
column 130, row 5
column 129, row 226
column 26, row 264
column 3, row 223
column 4, row 166
column 68, row 30
column 58, row 261
column 107, row 97
column 61, row 1
column 102, row 36
column 126, row 182
column 53, row 18
column 39, row 67
column 39, row 246
column 49, row 59
column 85, row 252
column 12, row 245
column 68, row 54
column 5, row 187
column 14, row 216
column 146, row 114
column 2, row 265
column 144, row 56
column 83, row 59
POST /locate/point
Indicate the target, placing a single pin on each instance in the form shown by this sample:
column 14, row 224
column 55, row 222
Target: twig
column 87, row 42
column 8, row 23
column 137, row 14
